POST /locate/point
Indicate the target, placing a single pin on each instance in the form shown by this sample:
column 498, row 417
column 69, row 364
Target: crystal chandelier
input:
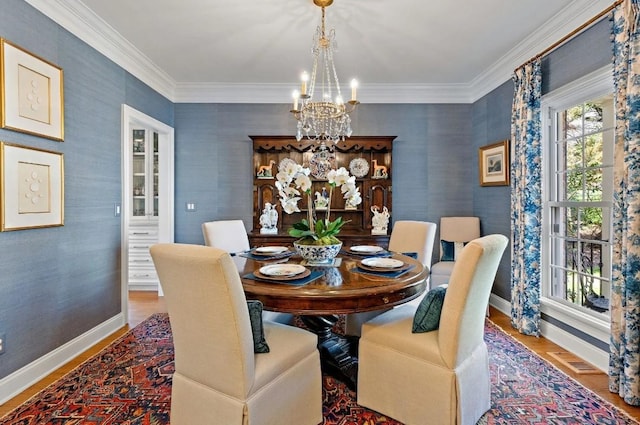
column 326, row 118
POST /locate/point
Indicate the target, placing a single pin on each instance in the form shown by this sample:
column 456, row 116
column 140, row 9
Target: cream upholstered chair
column 231, row 236
column 439, row 377
column 452, row 229
column 218, row 378
column 406, row 236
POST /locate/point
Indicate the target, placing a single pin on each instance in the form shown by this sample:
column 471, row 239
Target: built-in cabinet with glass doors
column 144, row 174
column 143, row 213
column 147, row 196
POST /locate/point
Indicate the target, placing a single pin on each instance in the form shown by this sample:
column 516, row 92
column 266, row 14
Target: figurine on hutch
column 380, row 220
column 352, row 203
column 379, row 171
column 322, row 200
column 269, row 220
column 264, row 171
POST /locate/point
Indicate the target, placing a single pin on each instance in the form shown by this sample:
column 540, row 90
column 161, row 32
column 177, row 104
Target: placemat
column 391, row 273
column 298, row 282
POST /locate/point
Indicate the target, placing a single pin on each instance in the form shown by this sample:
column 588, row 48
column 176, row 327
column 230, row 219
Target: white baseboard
column 564, row 339
column 18, row 381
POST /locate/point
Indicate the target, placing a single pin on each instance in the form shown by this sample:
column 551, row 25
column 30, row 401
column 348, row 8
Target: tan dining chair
column 452, row 230
column 218, row 378
column 442, row 376
column 231, row 236
column 407, row 236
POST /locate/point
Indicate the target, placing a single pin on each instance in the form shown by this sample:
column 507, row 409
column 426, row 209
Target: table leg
column 337, row 353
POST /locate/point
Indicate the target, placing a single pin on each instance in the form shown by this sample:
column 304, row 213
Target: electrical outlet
column 2, row 343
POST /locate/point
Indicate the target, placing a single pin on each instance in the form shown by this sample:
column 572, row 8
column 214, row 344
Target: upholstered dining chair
column 406, row 236
column 218, row 378
column 454, row 233
column 231, row 236
column 441, row 376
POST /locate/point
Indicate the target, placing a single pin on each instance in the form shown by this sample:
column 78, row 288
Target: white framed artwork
column 31, row 187
column 32, row 93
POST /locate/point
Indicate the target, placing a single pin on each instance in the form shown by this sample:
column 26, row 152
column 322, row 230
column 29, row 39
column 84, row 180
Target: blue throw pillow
column 449, row 250
column 255, row 316
column 427, row 317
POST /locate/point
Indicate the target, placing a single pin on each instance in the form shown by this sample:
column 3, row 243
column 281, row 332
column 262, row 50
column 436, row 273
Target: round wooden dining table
column 338, row 290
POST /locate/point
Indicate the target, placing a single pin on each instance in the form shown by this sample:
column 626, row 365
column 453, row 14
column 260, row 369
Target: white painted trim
column 580, row 348
column 594, row 84
column 278, row 93
column 500, row 304
column 81, row 21
column 18, row 381
column 569, row 342
column 78, row 19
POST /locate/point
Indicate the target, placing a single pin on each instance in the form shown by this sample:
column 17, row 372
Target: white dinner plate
column 367, row 249
column 383, row 263
column 282, row 270
column 271, row 249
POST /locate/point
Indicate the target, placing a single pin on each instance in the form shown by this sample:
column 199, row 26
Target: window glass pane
column 574, row 154
column 581, row 168
column 593, row 150
column 574, row 186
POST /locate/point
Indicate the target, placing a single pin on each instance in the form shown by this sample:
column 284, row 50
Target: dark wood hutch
column 375, row 190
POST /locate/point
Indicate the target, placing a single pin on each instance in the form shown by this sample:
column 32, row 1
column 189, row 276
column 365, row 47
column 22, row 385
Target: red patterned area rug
column 129, row 382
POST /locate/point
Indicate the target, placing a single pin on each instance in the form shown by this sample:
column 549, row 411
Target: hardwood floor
column 143, row 304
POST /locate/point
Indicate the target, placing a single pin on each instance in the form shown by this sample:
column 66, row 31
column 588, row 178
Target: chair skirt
column 416, row 389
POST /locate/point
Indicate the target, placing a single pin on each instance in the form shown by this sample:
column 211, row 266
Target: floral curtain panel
column 624, row 358
column 526, row 199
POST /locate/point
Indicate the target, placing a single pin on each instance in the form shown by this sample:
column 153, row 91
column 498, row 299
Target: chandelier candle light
column 326, row 118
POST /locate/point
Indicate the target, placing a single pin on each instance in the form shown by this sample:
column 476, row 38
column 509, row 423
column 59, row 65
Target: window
column 578, row 136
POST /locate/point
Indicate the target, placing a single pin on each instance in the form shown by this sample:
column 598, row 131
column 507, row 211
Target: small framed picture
column 493, row 162
column 32, row 187
column 32, row 96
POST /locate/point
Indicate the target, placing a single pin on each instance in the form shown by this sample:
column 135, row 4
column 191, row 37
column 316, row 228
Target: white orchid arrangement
column 293, row 182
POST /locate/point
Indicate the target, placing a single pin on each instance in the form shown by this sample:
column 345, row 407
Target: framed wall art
column 31, row 187
column 493, row 163
column 32, row 97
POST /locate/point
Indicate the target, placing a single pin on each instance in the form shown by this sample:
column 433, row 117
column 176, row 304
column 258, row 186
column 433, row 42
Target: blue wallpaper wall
column 214, row 159
column 57, row 283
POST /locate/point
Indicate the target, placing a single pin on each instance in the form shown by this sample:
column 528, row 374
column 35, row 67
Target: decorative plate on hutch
column 322, row 162
column 359, row 167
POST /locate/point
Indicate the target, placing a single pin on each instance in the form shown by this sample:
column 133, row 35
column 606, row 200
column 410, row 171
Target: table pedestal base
column 337, row 353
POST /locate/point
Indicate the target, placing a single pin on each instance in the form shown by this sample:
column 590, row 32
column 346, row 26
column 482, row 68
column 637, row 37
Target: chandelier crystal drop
column 325, row 118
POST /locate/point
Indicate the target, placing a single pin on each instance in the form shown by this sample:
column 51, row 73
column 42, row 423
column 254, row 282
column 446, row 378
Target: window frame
column 591, row 86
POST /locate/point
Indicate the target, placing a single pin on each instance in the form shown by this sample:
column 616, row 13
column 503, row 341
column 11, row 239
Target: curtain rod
column 573, row 33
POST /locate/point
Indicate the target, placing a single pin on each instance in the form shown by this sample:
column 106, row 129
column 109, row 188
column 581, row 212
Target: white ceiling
column 248, row 50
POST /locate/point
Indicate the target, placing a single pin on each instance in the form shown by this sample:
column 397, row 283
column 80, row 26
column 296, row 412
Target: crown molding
column 278, row 93
column 566, row 21
column 74, row 16
column 82, row 22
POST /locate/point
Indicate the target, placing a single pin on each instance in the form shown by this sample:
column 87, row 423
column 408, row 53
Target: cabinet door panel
column 265, row 191
column 378, row 193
